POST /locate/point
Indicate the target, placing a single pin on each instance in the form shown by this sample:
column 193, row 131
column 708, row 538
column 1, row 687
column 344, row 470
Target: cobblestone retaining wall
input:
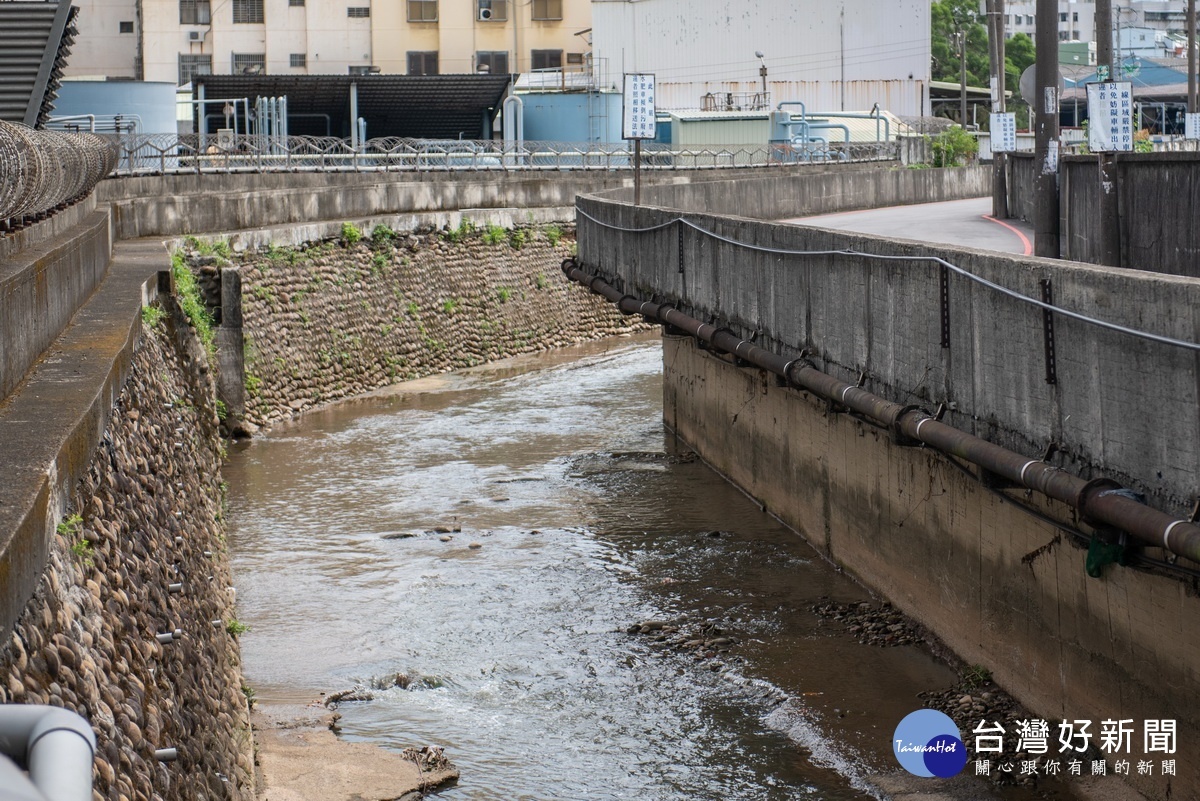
column 148, row 515
column 336, row 319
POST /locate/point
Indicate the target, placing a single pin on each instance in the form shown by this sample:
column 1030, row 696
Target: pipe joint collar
column 895, row 425
column 1088, row 493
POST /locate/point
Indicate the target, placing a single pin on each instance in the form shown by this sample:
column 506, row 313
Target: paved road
column 958, row 222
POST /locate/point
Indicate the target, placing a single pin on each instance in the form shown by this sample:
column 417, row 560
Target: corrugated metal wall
column 840, row 55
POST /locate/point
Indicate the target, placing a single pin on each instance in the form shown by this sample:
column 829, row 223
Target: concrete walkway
column 957, row 222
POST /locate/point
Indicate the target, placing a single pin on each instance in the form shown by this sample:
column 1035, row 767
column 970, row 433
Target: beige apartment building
column 172, row 40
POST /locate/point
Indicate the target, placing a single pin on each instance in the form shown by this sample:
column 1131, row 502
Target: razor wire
column 42, row 170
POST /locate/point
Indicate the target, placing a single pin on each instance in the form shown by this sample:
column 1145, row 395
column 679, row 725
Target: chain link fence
column 159, row 154
column 44, row 170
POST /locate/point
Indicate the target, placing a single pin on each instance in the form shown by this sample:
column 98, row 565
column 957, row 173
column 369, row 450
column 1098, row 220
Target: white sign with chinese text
column 1004, row 133
column 1191, row 128
column 1110, row 117
column 638, row 115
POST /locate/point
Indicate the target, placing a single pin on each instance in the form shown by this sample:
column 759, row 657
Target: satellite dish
column 1028, row 86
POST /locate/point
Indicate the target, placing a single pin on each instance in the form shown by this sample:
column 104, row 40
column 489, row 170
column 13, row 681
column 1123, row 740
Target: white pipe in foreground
column 55, row 745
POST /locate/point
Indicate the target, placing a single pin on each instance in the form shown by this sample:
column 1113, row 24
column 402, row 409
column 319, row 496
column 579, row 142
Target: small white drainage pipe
column 55, row 745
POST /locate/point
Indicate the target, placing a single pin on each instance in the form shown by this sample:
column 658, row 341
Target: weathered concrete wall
column 148, row 516
column 782, row 196
column 1020, row 186
column 174, row 205
column 43, row 284
column 333, row 319
column 1001, row 588
column 1122, row 406
column 1156, row 193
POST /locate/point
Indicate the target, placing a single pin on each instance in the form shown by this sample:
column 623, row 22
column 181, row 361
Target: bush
column 954, row 147
column 350, row 233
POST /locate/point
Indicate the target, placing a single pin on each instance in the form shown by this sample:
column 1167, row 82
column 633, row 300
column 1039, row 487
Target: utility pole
column 1045, row 151
column 999, row 84
column 1191, row 46
column 1110, row 207
column 962, row 73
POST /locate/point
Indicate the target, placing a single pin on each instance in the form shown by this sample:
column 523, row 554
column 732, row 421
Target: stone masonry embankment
column 336, row 318
column 143, row 554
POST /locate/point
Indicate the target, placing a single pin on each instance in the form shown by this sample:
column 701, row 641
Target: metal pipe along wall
column 1101, row 502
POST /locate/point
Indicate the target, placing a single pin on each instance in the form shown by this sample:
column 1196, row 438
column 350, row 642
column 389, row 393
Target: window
column 249, row 63
column 296, row 3
column 358, row 12
column 298, row 60
column 493, row 10
column 574, row 58
column 546, row 59
column 492, row 62
column 420, row 63
column 422, row 11
column 125, row 27
column 1062, row 17
column 1028, row 19
column 1075, row 17
column 194, row 12
column 547, row 9
column 247, row 11
column 190, row 66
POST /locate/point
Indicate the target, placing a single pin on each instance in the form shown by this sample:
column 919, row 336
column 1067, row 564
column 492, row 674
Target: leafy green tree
column 949, row 17
column 1018, row 55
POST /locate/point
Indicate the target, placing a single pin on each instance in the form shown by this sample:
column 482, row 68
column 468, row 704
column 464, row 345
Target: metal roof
column 1154, row 79
column 35, row 39
column 419, row 106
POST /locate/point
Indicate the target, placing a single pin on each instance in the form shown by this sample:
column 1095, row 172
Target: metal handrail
column 171, row 153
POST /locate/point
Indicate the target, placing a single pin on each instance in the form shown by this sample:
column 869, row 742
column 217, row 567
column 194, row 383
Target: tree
column 949, row 17
column 1018, row 55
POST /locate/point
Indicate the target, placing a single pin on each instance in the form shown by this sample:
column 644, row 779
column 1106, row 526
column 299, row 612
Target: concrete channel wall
column 999, row 587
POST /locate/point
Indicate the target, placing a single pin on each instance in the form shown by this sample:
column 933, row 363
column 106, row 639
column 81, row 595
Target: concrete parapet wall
column 999, row 586
column 1156, row 195
column 175, row 205
column 1122, row 406
column 776, row 197
column 42, row 285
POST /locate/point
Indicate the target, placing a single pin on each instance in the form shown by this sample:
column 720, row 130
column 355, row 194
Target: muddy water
column 588, row 518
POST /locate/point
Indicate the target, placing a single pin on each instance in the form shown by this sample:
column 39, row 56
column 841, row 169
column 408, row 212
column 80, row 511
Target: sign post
column 637, row 122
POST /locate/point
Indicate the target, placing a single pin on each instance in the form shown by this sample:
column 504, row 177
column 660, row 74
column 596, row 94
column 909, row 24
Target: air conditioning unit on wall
column 485, row 10
column 195, row 36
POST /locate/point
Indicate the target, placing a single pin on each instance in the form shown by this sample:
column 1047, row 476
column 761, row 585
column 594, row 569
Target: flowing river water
column 586, row 517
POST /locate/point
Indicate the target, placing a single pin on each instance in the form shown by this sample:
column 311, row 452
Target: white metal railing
column 157, row 154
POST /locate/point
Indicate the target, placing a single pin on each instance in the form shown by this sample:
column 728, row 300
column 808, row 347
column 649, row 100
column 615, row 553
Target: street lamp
column 762, row 71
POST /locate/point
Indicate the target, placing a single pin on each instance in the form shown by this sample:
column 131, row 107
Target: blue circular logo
column 927, row 743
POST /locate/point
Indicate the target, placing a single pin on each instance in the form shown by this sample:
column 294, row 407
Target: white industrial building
column 1137, row 24
column 839, row 55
